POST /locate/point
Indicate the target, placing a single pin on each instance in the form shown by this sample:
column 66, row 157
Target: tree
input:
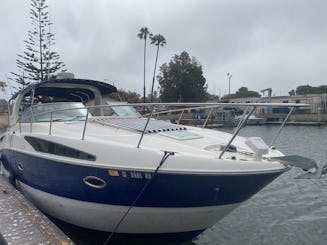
column 307, row 89
column 292, row 92
column 243, row 92
column 128, row 96
column 143, row 34
column 3, row 86
column 38, row 62
column 182, row 80
column 157, row 40
column 304, row 89
column 212, row 97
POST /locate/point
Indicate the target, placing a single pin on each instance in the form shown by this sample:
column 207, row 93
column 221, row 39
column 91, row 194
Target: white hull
column 139, row 220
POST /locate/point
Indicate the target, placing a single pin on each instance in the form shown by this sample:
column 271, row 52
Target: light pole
column 229, row 77
column 110, row 81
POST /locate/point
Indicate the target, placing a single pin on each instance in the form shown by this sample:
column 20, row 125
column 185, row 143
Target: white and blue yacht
column 95, row 163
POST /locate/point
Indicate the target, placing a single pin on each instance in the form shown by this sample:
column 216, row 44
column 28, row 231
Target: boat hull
column 140, row 220
column 173, row 203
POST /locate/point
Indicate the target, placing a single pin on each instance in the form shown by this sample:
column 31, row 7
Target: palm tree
column 157, row 40
column 143, row 34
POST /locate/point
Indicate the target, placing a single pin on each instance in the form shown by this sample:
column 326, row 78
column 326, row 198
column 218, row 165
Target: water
column 288, row 211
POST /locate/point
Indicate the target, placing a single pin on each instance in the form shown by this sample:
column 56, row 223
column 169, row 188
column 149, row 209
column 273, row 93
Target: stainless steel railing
column 153, row 106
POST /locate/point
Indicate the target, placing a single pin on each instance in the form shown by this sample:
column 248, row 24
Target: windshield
column 122, row 111
column 63, row 111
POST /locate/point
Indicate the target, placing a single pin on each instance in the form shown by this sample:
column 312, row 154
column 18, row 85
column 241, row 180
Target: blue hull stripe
column 165, row 190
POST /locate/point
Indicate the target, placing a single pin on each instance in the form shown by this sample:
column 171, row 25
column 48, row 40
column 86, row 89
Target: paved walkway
column 21, row 223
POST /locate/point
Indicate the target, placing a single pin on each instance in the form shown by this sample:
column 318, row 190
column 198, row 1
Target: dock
column 295, row 123
column 22, row 223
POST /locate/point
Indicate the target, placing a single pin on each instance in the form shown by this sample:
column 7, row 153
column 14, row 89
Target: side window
column 49, row 147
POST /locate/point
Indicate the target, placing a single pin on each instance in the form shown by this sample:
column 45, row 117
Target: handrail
column 146, row 125
column 86, row 118
column 210, row 106
column 180, row 117
column 50, row 123
column 281, row 127
column 242, row 118
column 236, row 132
column 205, row 122
column 31, row 125
column 216, row 104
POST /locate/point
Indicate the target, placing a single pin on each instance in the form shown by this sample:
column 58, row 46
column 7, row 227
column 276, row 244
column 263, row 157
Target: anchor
column 313, row 169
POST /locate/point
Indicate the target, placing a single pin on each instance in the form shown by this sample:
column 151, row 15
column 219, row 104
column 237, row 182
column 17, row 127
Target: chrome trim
column 102, row 184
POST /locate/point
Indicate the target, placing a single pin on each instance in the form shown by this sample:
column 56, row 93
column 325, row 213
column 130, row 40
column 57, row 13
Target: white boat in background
column 253, row 120
column 105, row 167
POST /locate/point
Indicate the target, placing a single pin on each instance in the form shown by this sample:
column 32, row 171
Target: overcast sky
column 278, row 44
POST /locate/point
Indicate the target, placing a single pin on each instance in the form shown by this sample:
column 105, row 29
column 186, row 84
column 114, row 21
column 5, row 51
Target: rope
column 164, row 158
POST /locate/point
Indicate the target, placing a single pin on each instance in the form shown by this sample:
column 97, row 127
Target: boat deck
column 22, row 223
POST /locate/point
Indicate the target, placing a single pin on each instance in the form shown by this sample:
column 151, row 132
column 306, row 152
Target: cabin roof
column 67, row 88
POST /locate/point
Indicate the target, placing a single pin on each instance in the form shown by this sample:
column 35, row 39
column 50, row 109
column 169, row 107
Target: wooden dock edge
column 22, row 223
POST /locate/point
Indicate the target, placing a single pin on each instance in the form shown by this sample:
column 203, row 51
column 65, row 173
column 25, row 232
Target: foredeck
column 138, row 124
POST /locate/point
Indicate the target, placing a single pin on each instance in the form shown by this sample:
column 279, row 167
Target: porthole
column 20, row 166
column 95, row 182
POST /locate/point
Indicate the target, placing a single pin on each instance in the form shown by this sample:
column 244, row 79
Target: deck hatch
column 181, row 135
column 138, row 124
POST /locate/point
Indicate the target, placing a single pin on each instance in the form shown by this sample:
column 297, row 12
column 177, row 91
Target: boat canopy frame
column 71, row 89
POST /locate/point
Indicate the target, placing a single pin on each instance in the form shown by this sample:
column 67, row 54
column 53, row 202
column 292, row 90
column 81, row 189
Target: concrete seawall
column 309, row 117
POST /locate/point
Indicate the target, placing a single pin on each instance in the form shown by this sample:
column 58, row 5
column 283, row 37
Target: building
column 316, row 112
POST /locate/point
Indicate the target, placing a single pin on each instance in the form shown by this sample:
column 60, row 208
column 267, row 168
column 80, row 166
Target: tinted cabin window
column 57, row 149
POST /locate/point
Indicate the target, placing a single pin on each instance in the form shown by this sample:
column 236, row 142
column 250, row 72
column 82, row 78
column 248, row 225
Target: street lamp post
column 229, row 77
column 110, row 81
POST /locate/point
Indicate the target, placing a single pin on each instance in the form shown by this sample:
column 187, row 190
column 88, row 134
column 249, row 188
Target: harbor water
column 288, row 211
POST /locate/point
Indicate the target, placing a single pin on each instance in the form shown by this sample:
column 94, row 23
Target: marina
column 288, row 211
column 120, row 165
column 200, row 127
column 68, row 142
